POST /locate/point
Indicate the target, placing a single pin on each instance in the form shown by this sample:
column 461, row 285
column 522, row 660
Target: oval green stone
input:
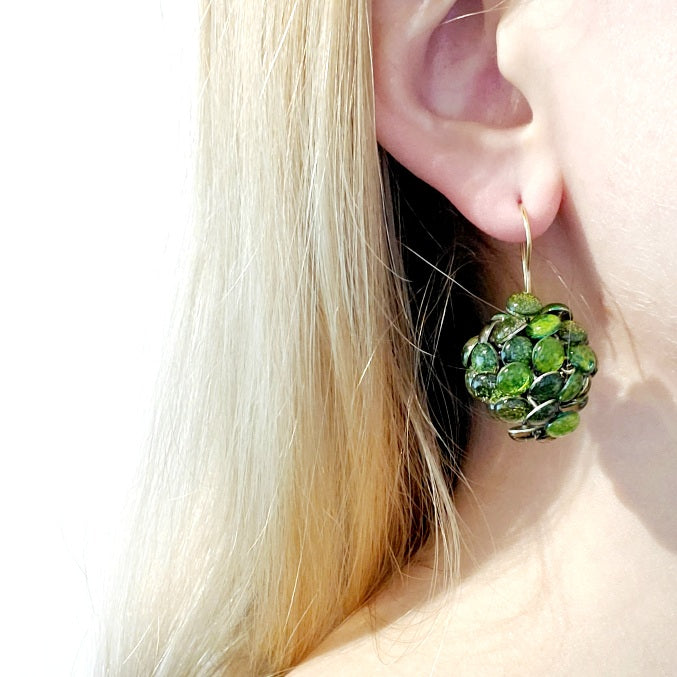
column 548, row 354
column 467, row 349
column 558, row 309
column 572, row 387
column 572, row 332
column 523, row 304
column 484, row 359
column 514, row 379
column 506, row 328
column 517, row 349
column 481, row 386
column 583, row 358
column 543, row 325
column 546, row 387
column 542, row 413
column 510, row 409
column 563, row 425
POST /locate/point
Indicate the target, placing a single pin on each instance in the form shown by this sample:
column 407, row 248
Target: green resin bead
column 523, row 304
column 467, row 349
column 548, row 354
column 558, row 309
column 572, row 332
column 546, row 387
column 517, row 349
column 481, row 386
column 563, row 425
column 507, row 328
column 583, row 358
column 542, row 413
column 532, row 367
column 514, row 379
column 510, row 409
column 542, row 326
column 572, row 387
column 484, row 359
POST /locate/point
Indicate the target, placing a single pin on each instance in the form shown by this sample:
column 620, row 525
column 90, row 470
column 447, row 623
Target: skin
column 569, row 556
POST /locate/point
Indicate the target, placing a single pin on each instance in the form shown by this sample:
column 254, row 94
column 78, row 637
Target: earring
column 531, row 364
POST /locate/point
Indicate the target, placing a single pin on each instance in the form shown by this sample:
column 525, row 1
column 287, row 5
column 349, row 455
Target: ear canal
column 463, row 80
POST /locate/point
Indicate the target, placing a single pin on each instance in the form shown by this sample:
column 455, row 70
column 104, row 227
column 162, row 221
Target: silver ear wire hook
column 526, row 251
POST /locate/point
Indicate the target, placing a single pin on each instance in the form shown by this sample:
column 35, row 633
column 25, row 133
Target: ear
column 445, row 110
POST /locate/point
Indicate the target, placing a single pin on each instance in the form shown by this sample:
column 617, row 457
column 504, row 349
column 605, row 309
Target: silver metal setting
column 526, row 251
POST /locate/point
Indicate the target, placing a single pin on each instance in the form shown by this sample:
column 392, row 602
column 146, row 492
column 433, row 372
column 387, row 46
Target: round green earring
column 531, row 365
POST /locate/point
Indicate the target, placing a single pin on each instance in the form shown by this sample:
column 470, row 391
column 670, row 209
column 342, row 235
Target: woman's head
column 304, row 448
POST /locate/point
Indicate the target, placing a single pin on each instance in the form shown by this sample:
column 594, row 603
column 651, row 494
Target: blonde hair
column 293, row 465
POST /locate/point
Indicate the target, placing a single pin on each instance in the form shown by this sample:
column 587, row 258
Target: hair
column 309, row 430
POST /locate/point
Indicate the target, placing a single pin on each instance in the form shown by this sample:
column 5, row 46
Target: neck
column 617, row 470
column 584, row 528
column 569, row 547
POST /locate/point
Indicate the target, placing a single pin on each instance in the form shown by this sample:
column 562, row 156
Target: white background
column 95, row 127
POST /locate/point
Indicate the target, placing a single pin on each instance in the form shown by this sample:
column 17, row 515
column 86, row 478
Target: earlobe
column 444, row 110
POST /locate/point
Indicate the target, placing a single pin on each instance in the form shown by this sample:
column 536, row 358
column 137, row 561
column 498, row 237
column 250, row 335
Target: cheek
column 610, row 94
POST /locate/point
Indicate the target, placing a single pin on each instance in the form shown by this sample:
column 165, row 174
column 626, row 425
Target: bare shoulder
column 389, row 636
column 350, row 651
